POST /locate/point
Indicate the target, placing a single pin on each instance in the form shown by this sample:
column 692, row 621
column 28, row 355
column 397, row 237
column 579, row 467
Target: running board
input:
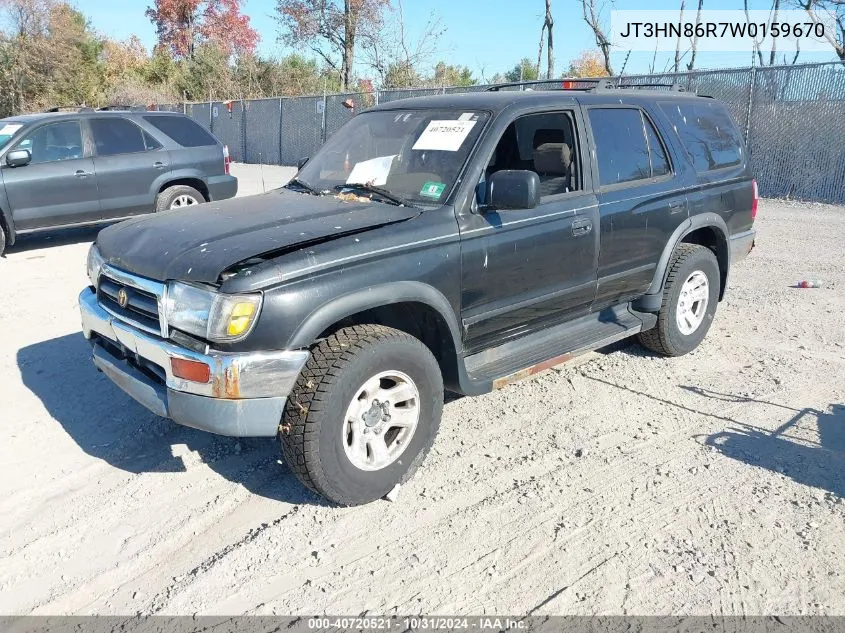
column 528, row 355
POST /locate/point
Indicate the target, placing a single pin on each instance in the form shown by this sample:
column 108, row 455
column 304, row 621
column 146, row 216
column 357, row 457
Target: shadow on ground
column 108, row 425
column 809, row 447
column 58, row 237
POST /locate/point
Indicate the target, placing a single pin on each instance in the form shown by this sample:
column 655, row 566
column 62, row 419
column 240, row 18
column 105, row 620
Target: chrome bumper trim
column 234, row 376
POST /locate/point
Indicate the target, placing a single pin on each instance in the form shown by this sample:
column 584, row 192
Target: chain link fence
column 792, row 119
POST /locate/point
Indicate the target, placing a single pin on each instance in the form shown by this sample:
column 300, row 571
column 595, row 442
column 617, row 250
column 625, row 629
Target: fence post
column 323, row 119
column 281, row 131
column 750, row 102
column 243, row 130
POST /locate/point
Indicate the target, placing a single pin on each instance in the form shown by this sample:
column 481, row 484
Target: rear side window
column 656, row 151
column 182, row 130
column 707, row 133
column 621, row 148
column 114, row 136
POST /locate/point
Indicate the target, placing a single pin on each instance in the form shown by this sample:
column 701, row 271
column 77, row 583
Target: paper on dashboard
column 373, row 171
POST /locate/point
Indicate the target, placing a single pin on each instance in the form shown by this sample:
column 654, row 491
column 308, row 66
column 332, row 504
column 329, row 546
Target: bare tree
column 835, row 10
column 396, row 56
column 678, row 43
column 694, row 48
column 771, row 58
column 592, row 16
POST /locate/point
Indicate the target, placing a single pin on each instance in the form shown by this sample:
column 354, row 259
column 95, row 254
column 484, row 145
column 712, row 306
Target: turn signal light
column 192, row 370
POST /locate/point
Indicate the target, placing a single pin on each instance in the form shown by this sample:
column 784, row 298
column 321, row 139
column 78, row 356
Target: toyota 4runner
column 455, row 242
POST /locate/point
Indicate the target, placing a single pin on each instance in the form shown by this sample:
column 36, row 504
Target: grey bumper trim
column 741, row 244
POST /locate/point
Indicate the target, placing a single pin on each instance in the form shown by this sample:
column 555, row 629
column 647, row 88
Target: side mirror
column 512, row 189
column 301, row 163
column 18, row 158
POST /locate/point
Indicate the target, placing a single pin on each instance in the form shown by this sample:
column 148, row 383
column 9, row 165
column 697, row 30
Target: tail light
column 228, row 161
column 754, row 199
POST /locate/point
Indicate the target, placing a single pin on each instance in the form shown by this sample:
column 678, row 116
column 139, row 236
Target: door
column 128, row 161
column 641, row 201
column 523, row 269
column 58, row 186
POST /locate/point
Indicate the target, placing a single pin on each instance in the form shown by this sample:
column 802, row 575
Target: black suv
column 457, row 241
column 62, row 169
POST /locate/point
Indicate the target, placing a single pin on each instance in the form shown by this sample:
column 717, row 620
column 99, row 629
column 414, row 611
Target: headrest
column 552, row 158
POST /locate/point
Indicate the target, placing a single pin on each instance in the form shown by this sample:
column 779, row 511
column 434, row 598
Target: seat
column 552, row 161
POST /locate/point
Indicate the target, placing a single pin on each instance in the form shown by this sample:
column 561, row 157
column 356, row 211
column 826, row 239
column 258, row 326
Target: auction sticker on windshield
column 444, row 135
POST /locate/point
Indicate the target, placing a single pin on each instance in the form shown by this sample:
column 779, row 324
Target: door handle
column 159, row 165
column 581, row 227
column 80, row 173
column 676, row 207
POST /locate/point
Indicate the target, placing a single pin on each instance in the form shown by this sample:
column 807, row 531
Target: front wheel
column 363, row 413
column 690, row 296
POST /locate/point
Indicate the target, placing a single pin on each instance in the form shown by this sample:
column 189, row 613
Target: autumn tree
column 448, row 75
column 589, row 63
column 182, row 25
column 593, row 15
column 329, row 28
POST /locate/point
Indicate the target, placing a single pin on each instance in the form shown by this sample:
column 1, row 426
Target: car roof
column 47, row 116
column 497, row 101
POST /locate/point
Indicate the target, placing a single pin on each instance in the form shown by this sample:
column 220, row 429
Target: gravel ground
column 628, row 484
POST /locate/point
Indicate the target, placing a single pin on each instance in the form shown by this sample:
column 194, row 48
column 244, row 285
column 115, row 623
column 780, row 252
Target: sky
column 488, row 36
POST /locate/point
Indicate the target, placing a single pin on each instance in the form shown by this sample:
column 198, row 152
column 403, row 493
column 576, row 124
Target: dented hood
column 200, row 243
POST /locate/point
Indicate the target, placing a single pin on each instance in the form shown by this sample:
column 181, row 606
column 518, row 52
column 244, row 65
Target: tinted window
column 150, row 142
column 707, row 132
column 621, row 148
column 659, row 161
column 52, row 142
column 182, row 130
column 117, row 136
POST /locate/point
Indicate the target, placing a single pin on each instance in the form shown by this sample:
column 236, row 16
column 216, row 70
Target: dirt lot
column 709, row 484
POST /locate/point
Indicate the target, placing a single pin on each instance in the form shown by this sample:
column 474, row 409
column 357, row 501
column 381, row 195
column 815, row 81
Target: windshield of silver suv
column 402, row 156
column 7, row 130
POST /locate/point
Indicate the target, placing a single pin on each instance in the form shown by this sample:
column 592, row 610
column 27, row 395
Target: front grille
column 141, row 307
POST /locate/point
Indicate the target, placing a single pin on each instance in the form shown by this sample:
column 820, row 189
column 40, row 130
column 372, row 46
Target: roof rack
column 598, row 84
column 131, row 108
column 70, row 109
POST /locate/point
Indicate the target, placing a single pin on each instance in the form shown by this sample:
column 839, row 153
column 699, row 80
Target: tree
column 523, row 71
column 592, row 16
column 329, row 28
column 548, row 27
column 447, row 75
column 396, row 56
column 182, row 25
column 835, row 12
column 588, row 64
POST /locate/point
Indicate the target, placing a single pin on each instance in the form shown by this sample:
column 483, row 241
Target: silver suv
column 63, row 169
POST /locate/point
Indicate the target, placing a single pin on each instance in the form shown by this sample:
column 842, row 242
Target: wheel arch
column 706, row 229
column 412, row 307
column 189, row 181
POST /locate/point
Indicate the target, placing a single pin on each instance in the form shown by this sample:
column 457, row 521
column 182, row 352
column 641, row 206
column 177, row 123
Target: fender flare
column 703, row 220
column 374, row 297
column 160, row 183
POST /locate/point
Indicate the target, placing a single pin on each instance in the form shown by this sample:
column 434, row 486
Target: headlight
column 95, row 264
column 213, row 316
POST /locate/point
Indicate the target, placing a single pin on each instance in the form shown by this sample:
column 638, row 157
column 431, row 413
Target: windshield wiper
column 384, row 193
column 298, row 182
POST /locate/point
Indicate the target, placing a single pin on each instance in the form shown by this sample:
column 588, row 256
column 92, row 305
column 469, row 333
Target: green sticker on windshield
column 432, row 190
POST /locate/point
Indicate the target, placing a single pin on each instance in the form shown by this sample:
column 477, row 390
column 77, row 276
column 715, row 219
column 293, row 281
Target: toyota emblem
column 122, row 298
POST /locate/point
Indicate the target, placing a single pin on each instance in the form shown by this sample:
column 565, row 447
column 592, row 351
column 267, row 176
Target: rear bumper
column 244, row 397
column 741, row 244
column 222, row 187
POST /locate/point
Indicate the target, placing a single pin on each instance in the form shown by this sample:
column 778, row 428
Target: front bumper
column 244, row 397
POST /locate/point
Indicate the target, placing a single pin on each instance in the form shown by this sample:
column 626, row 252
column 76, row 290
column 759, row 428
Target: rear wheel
column 690, row 296
column 363, row 413
column 178, row 197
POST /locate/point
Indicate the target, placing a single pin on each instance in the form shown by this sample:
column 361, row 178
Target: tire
column 690, row 264
column 321, row 445
column 171, row 198
column 2, row 241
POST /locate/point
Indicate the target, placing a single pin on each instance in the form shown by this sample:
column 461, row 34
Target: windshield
column 416, row 155
column 7, row 130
